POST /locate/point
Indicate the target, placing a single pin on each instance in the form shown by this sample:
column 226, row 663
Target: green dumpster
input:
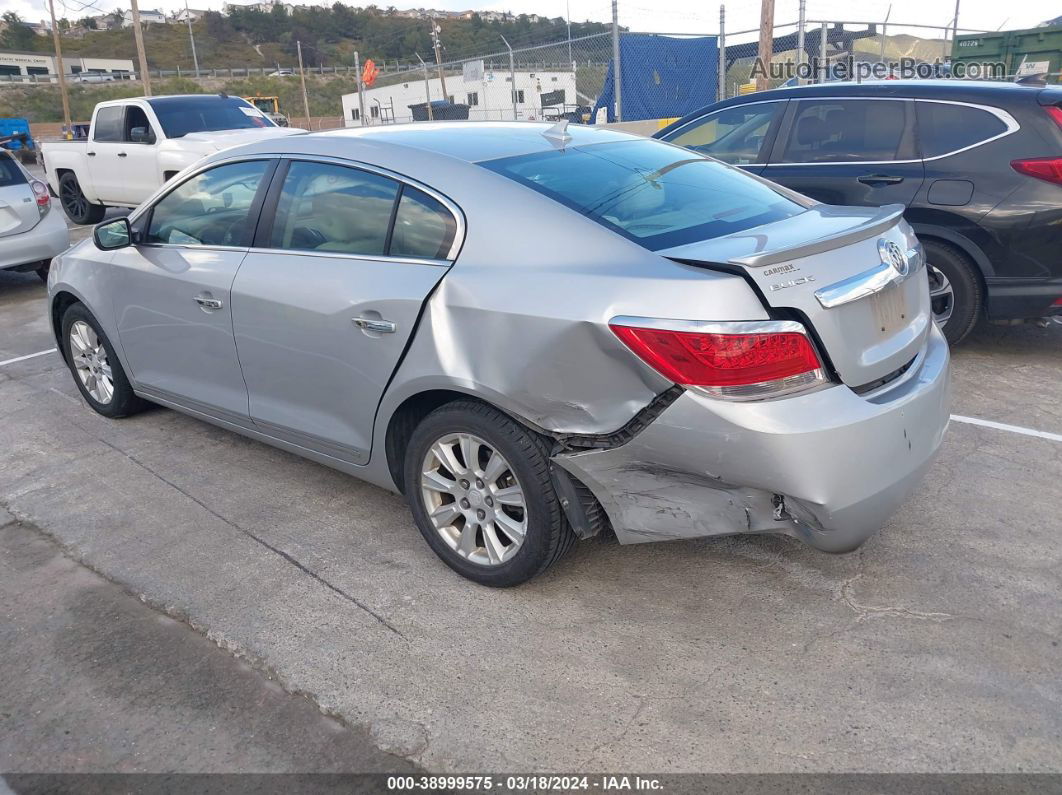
column 1022, row 52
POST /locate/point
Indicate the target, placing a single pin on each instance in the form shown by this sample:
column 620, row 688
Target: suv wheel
column 479, row 487
column 77, row 207
column 954, row 290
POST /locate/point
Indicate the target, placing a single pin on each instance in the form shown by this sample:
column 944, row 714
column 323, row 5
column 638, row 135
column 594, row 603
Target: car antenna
column 223, row 95
column 558, row 133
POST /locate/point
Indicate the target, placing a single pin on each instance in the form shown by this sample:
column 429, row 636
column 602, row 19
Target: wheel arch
column 61, row 301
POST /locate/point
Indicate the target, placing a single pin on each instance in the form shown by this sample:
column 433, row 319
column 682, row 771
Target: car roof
column 983, row 91
column 477, row 141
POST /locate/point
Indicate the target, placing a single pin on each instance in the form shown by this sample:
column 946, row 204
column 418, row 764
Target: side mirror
column 141, row 135
column 112, row 234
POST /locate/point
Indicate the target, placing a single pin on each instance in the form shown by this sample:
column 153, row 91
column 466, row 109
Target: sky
column 669, row 16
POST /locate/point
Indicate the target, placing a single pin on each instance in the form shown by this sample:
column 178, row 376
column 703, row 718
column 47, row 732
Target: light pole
column 617, row 83
column 427, row 87
column 188, row 18
column 302, row 77
column 512, row 76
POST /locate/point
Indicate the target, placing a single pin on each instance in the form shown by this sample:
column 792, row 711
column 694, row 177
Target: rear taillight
column 40, row 193
column 1046, row 168
column 1055, row 113
column 737, row 361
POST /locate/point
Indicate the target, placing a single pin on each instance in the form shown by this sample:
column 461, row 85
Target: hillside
column 248, row 38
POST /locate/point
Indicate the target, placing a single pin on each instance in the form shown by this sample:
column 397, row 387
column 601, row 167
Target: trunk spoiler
column 884, row 218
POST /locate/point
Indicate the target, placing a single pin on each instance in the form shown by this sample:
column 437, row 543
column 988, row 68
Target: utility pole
column 955, row 24
column 188, row 18
column 427, row 87
column 361, row 88
column 302, row 77
column 800, row 38
column 617, row 84
column 435, row 30
column 721, row 89
column 766, row 41
column 884, row 28
column 60, row 69
column 138, row 34
column 568, row 19
column 512, row 76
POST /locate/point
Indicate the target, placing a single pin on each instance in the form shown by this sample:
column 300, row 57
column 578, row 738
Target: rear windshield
column 182, row 115
column 10, row 173
column 657, row 195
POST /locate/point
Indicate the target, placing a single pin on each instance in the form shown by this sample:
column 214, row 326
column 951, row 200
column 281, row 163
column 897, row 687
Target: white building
column 185, row 14
column 14, row 65
column 148, row 16
column 488, row 92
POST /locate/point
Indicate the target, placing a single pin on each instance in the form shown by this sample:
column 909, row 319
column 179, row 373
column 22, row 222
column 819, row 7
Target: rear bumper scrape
column 828, row 467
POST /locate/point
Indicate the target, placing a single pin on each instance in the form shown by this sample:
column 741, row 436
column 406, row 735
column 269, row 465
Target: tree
column 16, row 34
column 88, row 23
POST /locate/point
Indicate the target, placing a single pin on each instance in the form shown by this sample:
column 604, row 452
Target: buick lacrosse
column 534, row 333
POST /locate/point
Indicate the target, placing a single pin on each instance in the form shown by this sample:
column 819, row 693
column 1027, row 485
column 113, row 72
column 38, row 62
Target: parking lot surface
column 933, row 648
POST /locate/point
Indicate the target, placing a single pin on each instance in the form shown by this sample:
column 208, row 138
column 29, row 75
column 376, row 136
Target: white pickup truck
column 135, row 145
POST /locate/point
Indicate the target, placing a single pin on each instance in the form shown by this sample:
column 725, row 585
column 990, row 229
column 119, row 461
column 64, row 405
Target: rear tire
column 961, row 285
column 91, row 359
column 465, row 545
column 75, row 204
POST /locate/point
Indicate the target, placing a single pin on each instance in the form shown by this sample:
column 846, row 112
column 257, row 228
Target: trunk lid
column 18, row 205
column 836, row 268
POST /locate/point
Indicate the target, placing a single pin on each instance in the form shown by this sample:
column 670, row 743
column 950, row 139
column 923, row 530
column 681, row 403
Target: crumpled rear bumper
column 829, row 467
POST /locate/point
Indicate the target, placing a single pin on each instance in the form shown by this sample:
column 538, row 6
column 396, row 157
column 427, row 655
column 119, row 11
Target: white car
column 135, row 146
column 30, row 233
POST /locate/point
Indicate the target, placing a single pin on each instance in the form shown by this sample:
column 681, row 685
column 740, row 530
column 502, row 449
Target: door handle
column 209, row 303
column 880, row 179
column 375, row 324
column 91, row 154
column 122, row 154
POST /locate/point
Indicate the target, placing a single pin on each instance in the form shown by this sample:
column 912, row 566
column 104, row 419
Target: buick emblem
column 892, row 254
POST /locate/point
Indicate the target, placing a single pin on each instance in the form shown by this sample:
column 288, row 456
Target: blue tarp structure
column 661, row 76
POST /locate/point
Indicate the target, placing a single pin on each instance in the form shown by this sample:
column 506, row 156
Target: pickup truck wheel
column 77, row 207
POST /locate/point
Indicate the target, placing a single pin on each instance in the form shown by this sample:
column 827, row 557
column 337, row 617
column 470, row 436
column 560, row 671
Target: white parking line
column 999, row 426
column 29, row 356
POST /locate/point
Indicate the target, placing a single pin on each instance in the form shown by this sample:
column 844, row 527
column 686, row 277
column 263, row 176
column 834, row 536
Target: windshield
column 10, row 173
column 655, row 194
column 182, row 115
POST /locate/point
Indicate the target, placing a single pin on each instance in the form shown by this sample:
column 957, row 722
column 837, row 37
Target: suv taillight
column 40, row 193
column 1055, row 113
column 748, row 360
column 1046, row 168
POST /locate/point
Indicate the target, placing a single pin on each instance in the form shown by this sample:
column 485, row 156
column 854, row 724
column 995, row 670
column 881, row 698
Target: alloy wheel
column 74, row 201
column 473, row 499
column 90, row 362
column 941, row 295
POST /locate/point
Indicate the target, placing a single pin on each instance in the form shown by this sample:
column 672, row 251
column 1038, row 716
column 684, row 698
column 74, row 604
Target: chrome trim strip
column 710, row 326
column 887, row 217
column 859, row 286
column 292, row 252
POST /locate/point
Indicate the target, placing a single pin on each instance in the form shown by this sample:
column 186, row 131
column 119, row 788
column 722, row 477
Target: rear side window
column 944, row 128
column 424, row 228
column 734, row 135
column 846, row 131
column 109, row 124
column 657, row 195
column 329, row 208
column 10, row 173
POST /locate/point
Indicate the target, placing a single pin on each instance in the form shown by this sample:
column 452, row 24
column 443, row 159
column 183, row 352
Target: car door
column 741, row 135
column 849, row 150
column 172, row 288
column 326, row 301
column 102, row 153
column 136, row 165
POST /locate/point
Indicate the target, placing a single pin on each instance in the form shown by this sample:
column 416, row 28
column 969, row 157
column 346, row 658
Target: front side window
column 655, row 194
column 179, row 116
column 108, row 127
column 847, row 131
column 213, row 208
column 424, row 228
column 944, row 128
column 324, row 207
column 136, row 121
column 734, row 135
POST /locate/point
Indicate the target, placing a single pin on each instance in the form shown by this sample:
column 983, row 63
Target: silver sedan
column 535, row 333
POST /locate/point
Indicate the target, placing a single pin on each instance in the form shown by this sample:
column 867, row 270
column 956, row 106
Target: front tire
column 75, row 204
column 955, row 290
column 479, row 487
column 97, row 372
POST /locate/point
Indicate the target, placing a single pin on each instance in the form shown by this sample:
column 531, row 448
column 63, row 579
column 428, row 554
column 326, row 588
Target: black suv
column 978, row 166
